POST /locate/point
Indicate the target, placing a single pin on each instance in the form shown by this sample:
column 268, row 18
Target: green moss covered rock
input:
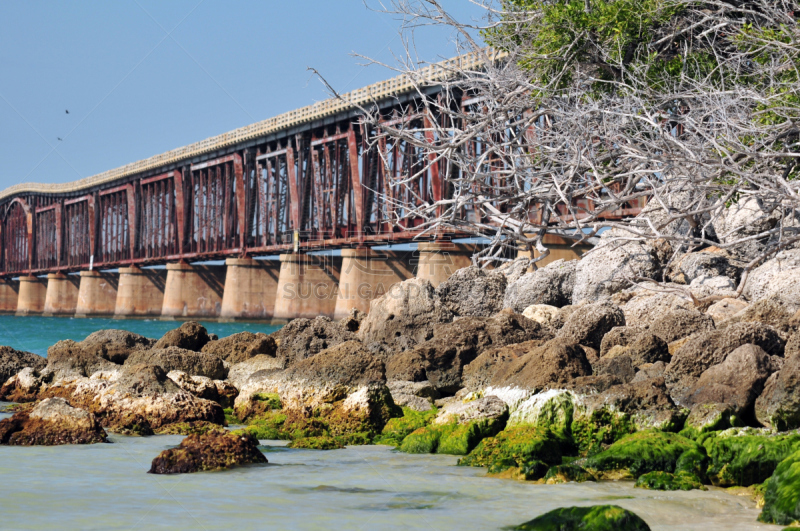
column 745, row 460
column 269, row 400
column 189, row 428
column 426, row 440
column 667, row 481
column 464, row 437
column 643, row 452
column 531, row 450
column 317, row 443
column 399, row 428
column 602, row 427
column 782, row 493
column 567, row 473
column 594, row 518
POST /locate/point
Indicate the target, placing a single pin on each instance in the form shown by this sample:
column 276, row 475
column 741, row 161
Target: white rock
column 541, row 313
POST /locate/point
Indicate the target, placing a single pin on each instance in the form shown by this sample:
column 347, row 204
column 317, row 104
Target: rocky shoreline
column 553, row 376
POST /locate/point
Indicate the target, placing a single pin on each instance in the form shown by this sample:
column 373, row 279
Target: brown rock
column 648, row 348
column 619, row 336
column 792, row 346
column 724, row 309
column 479, row 373
column 303, row 338
column 647, row 402
column 737, row 381
column 115, row 345
column 680, row 323
column 178, row 359
column 619, row 367
column 440, row 360
column 589, row 323
column 12, row 361
column 778, row 406
column 69, row 358
column 404, row 316
column 51, row 422
column 706, row 349
column 241, row 347
column 556, row 362
column 472, row 291
column 213, row 450
column 190, row 336
column 349, row 363
column 648, row 371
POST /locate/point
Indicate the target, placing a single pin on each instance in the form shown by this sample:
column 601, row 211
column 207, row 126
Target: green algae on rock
column 189, row 428
column 667, row 481
column 594, row 518
column 598, row 429
column 526, row 451
column 213, row 450
column 450, row 438
column 567, row 473
column 746, row 457
column 782, row 493
column 399, row 428
column 643, row 452
column 317, row 443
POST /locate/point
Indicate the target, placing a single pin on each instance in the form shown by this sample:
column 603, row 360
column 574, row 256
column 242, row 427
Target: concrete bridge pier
column 439, row 260
column 61, row 297
column 250, row 289
column 9, row 293
column 560, row 249
column 32, row 292
column 140, row 292
column 368, row 274
column 193, row 290
column 97, row 294
column 308, row 286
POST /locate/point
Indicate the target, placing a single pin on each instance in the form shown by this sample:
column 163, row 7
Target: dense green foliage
column 594, row 518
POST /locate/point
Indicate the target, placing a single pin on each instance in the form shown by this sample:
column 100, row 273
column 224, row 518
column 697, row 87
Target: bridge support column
column 439, row 260
column 193, row 291
column 560, row 249
column 307, row 286
column 140, row 292
column 9, row 293
column 61, row 297
column 32, row 292
column 97, row 294
column 250, row 289
column 366, row 275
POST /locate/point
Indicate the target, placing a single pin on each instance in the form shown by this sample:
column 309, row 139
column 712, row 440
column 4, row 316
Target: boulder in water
column 213, row 450
column 52, row 421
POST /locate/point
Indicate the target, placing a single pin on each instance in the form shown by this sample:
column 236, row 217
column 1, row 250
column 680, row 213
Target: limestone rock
column 646, row 306
column 190, row 335
column 619, row 367
column 115, row 345
column 238, row 374
column 778, row 406
column 543, row 314
column 551, row 285
column 556, row 362
column 404, row 316
column 488, row 407
column 647, row 402
column 418, row 396
column 479, row 374
column 748, row 216
column 604, row 270
column 349, row 363
column 179, row 359
column 588, row 324
column 22, row 387
column 680, row 323
column 776, row 278
column 648, row 371
column 472, row 291
column 706, row 349
column 213, row 450
column 737, row 381
column 303, row 338
column 793, row 346
column 441, row 359
column 51, row 422
column 724, row 309
column 217, row 391
column 714, row 286
column 619, row 336
column 68, row 358
column 241, row 347
column 705, row 263
column 514, row 269
column 772, row 311
column 12, row 361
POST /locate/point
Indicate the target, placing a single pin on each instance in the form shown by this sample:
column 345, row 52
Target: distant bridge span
column 301, row 181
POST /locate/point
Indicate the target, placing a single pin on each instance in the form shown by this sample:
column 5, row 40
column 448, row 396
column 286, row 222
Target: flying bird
column 67, row 111
column 59, row 139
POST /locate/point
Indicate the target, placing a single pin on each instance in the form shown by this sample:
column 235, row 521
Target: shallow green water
column 35, row 334
column 105, row 486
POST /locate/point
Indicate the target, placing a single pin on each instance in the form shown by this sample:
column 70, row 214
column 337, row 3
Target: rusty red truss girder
column 330, row 183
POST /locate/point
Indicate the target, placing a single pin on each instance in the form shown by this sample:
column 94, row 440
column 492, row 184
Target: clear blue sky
column 143, row 77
